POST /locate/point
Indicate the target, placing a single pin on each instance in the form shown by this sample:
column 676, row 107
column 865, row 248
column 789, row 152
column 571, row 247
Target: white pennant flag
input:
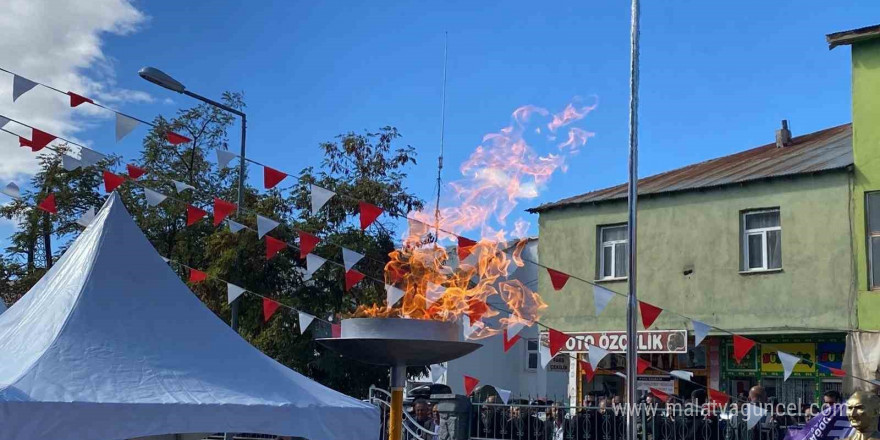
column 313, row 263
column 503, row 394
column 514, row 328
column 350, row 258
column 86, row 218
column 437, row 372
column 124, row 126
column 265, row 225
column 596, row 355
column 788, row 362
column 167, row 260
column 90, row 157
column 224, row 157
column 305, row 320
column 235, row 226
column 181, row 187
column 433, row 292
column 544, row 351
column 683, row 375
column 70, row 163
column 154, row 198
column 754, row 414
column 233, row 292
column 12, row 190
column 392, row 294
column 20, row 86
column 320, row 196
column 601, row 297
column 700, row 331
column 3, row 121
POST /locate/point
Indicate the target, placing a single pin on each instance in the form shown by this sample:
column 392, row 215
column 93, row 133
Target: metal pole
column 632, row 304
column 398, row 383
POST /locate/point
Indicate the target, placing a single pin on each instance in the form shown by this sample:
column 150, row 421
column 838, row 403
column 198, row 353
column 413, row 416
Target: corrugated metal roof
column 823, row 150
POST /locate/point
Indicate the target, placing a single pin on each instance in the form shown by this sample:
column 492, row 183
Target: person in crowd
column 422, row 416
column 831, row 397
column 556, row 425
column 491, row 418
column 435, row 419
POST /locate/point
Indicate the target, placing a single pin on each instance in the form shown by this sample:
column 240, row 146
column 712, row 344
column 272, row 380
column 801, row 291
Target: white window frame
column 872, row 284
column 613, row 245
column 746, row 267
column 536, row 352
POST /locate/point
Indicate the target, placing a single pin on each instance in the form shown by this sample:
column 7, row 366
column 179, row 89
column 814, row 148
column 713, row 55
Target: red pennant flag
column 741, row 346
column 352, row 277
column 193, row 215
column 272, row 177
column 660, row 394
column 587, row 369
column 336, row 330
column 649, row 313
column 273, row 246
column 834, row 371
column 396, row 274
column 48, row 204
column 642, row 365
column 469, row 384
column 718, row 397
column 176, row 139
column 557, row 341
column 465, row 247
column 557, row 278
column 476, row 310
column 135, row 172
column 76, row 100
column 112, row 181
column 307, row 243
column 369, row 214
column 509, row 342
column 38, row 140
column 222, row 209
column 269, row 308
column 197, row 276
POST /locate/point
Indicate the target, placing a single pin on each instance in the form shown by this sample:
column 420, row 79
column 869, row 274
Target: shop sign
column 830, row 354
column 770, row 363
column 650, row 341
column 559, row 363
column 662, row 383
column 748, row 364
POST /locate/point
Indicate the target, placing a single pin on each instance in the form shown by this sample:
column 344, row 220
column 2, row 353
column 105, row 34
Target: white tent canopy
column 110, row 344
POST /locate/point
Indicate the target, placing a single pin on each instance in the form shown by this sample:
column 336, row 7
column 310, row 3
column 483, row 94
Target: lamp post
column 162, row 79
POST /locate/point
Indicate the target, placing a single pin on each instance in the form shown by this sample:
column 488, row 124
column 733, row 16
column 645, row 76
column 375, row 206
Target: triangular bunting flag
column 154, row 198
column 335, row 330
column 437, row 372
column 224, row 157
column 587, row 369
column 392, row 295
column 683, row 375
column 352, row 277
column 70, row 163
column 649, row 313
column 313, row 263
column 350, row 258
column 273, row 246
column 307, row 243
column 557, row 341
column 557, row 278
column 834, row 371
column 269, row 308
column 167, row 260
column 48, row 204
column 320, row 196
column 197, row 276
column 788, row 362
column 90, row 157
column 233, row 292
column 509, row 341
column 601, row 298
column 124, row 126
column 235, row 226
column 20, row 86
column 134, row 172
column 513, row 328
column 305, row 320
column 642, row 365
column 476, row 309
column 181, row 187
column 700, row 331
column 369, row 214
column 544, row 352
column 465, row 247
column 86, row 218
column 596, row 354
column 664, row 397
column 12, row 190
column 434, row 292
column 76, row 100
column 112, row 181
column 176, row 139
column 469, row 384
column 193, row 215
column 222, row 209
column 503, row 394
column 265, row 225
column 754, row 414
column 3, row 121
column 272, row 177
column 39, row 139
column 741, row 346
column 718, row 397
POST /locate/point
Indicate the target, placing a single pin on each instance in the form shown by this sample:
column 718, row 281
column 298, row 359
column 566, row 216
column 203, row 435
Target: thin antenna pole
column 442, row 133
column 631, row 310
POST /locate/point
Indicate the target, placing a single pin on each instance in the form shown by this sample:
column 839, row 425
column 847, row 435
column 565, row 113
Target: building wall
column 700, row 230
column 866, row 152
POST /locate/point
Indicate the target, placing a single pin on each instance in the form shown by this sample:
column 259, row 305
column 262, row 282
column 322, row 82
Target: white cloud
column 58, row 43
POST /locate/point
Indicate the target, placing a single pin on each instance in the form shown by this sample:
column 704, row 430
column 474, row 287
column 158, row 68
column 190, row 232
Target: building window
column 872, row 203
column 762, row 240
column 532, row 355
column 613, row 254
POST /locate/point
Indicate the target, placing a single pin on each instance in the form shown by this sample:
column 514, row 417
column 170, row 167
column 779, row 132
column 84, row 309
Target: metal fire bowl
column 396, row 341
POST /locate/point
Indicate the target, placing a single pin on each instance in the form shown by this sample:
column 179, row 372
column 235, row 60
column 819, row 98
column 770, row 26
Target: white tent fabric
column 110, row 344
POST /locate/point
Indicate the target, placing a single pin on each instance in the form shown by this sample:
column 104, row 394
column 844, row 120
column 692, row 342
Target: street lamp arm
column 214, row 103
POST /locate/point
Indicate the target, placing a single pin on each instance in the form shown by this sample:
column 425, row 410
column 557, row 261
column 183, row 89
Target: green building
column 774, row 242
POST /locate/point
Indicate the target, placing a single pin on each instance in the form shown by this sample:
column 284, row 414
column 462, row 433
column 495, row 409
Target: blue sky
column 716, row 77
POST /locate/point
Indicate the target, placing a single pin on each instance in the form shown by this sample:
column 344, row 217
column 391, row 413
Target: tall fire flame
column 501, row 171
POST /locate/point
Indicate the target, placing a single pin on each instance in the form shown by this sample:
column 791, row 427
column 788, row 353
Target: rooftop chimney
column 783, row 135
